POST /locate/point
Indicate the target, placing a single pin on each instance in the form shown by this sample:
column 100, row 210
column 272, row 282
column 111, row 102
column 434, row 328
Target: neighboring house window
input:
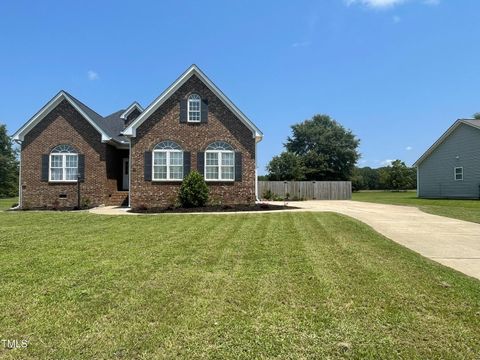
column 458, row 173
column 219, row 162
column 63, row 163
column 167, row 161
column 194, row 114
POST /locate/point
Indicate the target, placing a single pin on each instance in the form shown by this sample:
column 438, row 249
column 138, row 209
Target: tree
column 397, row 176
column 8, row 165
column 365, row 178
column 476, row 116
column 327, row 150
column 286, row 166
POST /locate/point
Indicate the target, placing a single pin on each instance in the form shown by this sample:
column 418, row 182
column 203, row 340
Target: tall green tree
column 8, row 165
column 328, row 151
column 286, row 166
column 397, row 176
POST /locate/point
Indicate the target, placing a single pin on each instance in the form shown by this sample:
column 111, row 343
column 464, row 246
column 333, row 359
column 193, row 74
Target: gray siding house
column 450, row 168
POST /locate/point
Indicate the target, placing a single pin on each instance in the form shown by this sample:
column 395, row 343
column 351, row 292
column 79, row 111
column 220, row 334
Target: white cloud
column 301, row 44
column 92, row 75
column 384, row 4
column 375, row 3
column 408, row 148
column 386, row 162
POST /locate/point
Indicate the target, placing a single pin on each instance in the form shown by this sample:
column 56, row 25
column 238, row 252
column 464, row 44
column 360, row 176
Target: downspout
column 256, row 173
column 129, row 170
column 20, row 195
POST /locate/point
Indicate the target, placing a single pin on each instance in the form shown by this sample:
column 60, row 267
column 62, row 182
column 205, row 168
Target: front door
column 125, row 182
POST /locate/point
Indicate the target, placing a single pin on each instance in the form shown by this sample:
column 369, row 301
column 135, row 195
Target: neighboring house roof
column 132, row 107
column 471, row 122
column 109, row 127
column 130, row 130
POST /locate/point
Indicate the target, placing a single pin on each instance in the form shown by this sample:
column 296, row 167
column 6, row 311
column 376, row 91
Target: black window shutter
column 45, row 159
column 147, row 165
column 81, row 167
column 204, row 111
column 186, row 163
column 201, row 163
column 183, row 111
column 238, row 166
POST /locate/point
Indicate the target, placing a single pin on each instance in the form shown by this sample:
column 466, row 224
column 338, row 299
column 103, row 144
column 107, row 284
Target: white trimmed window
column 219, row 162
column 167, row 162
column 63, row 164
column 458, row 172
column 194, row 108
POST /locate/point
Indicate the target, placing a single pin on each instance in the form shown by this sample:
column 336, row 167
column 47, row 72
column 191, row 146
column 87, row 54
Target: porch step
column 118, row 198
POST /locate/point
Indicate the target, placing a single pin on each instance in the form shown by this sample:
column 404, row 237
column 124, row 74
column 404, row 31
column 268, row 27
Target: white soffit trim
column 132, row 107
column 192, row 70
column 45, row 110
column 442, row 138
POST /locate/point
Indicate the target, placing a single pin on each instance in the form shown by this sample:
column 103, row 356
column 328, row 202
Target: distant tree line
column 397, row 177
column 321, row 149
column 8, row 165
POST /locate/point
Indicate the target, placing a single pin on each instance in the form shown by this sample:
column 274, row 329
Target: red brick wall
column 64, row 125
column 164, row 124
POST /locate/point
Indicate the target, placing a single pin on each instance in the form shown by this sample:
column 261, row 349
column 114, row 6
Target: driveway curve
column 451, row 242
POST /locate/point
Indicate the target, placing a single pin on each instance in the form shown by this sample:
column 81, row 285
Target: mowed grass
column 284, row 285
column 468, row 210
column 6, row 203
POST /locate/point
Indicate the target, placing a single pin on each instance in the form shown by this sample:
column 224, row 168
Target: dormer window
column 194, row 108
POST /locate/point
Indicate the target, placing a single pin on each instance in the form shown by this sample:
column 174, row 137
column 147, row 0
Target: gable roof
column 91, row 116
column 130, row 130
column 470, row 122
column 135, row 105
column 110, row 127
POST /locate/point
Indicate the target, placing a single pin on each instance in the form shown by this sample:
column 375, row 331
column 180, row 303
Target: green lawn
column 468, row 210
column 284, row 285
column 7, row 203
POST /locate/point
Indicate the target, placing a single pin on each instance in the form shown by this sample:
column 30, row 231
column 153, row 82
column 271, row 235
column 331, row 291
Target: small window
column 167, row 162
column 63, row 164
column 194, row 108
column 219, row 162
column 458, row 173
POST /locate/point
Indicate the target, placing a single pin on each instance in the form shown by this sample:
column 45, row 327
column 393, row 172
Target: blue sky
column 397, row 73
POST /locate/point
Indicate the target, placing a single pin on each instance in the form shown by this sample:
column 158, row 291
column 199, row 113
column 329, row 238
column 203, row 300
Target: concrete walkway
column 451, row 242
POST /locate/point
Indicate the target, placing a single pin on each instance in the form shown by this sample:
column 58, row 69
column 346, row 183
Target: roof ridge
column 82, row 103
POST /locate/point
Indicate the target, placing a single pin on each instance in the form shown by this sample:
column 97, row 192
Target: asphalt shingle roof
column 112, row 124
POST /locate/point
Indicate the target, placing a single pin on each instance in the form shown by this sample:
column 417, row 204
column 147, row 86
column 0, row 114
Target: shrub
column 194, row 191
column 268, row 195
column 86, row 203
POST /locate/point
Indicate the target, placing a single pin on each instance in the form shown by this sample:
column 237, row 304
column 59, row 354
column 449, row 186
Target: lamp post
column 78, row 191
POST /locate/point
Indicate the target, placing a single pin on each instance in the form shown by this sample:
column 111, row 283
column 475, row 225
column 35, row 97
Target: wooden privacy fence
column 307, row 190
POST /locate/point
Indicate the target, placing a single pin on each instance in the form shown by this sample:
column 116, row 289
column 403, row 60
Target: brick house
column 138, row 156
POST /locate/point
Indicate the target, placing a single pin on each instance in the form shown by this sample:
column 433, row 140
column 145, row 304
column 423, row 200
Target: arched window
column 194, row 112
column 167, row 161
column 220, row 162
column 63, row 163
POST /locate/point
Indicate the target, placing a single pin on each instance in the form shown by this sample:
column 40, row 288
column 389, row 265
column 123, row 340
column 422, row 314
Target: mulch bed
column 216, row 208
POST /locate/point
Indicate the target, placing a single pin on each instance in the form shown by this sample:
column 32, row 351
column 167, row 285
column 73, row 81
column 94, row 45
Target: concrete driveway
column 451, row 242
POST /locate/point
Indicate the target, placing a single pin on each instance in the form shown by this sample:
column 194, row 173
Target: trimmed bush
column 194, row 191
